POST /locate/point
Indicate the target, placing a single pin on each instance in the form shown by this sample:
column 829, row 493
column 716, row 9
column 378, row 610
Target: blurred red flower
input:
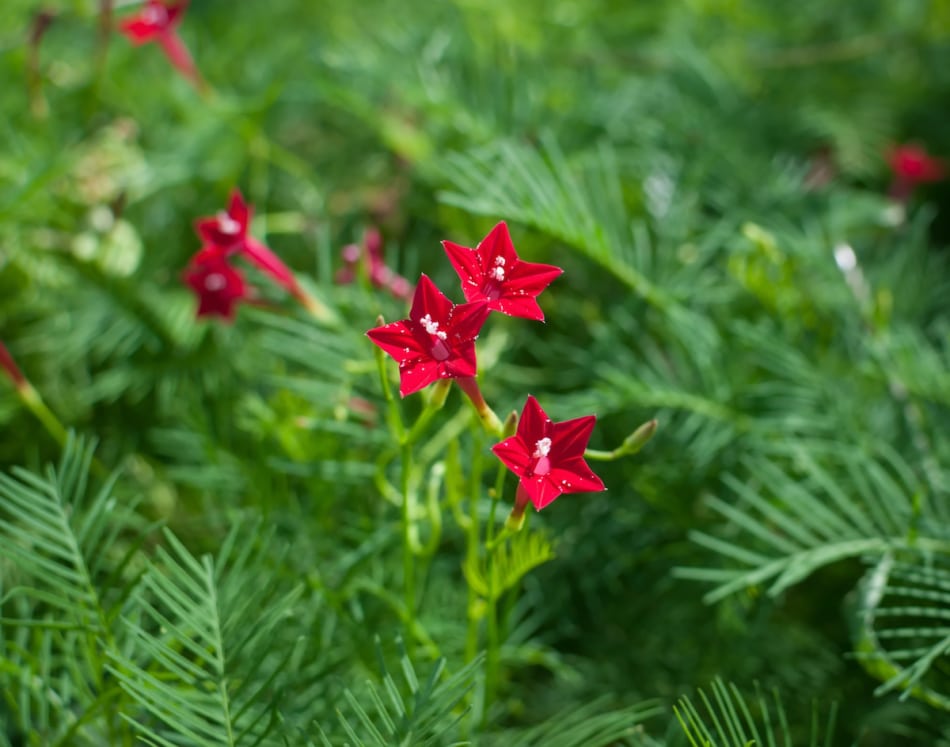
column 227, row 233
column 218, row 285
column 157, row 21
column 912, row 166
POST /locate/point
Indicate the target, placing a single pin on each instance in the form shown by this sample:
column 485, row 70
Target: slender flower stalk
column 469, row 385
column 33, row 402
column 11, row 369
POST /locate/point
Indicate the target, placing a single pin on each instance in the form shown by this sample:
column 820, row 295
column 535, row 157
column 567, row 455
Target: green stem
column 493, row 654
column 408, row 556
column 35, row 404
column 472, row 543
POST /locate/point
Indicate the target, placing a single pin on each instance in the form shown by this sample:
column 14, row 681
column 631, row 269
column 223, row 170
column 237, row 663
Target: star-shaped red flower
column 437, row 341
column 218, row 285
column 492, row 272
column 227, row 233
column 157, row 21
column 549, row 457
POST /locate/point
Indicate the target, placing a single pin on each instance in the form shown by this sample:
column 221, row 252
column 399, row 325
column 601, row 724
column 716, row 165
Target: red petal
column 462, row 363
column 530, row 278
column 210, row 233
column 513, row 455
column 524, row 307
column 416, row 375
column 467, row 266
column 428, row 299
column 496, row 244
column 139, row 31
column 541, row 491
column 534, row 424
column 397, row 340
column 175, row 12
column 239, row 210
column 575, row 476
column 208, row 253
column 466, row 320
column 569, row 439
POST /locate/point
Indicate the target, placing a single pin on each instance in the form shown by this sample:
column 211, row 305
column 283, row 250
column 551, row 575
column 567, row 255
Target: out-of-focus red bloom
column 912, row 166
column 379, row 274
column 913, row 163
column 227, row 233
column 547, row 457
column 157, row 21
column 492, row 272
column 437, row 341
column 218, row 285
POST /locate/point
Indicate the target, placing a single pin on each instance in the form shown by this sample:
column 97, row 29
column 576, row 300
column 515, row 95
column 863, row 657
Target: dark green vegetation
column 692, row 165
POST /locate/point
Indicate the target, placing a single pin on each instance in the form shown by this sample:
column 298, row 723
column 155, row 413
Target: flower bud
column 639, row 438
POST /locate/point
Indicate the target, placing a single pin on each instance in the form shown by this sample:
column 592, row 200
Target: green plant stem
column 408, row 556
column 35, row 404
column 493, row 643
column 472, row 542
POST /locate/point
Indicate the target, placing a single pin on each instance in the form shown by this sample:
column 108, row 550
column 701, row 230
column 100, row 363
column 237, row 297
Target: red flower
column 227, row 234
column 371, row 256
column 492, row 272
column 548, row 457
column 219, row 286
column 913, row 164
column 157, row 22
column 437, row 341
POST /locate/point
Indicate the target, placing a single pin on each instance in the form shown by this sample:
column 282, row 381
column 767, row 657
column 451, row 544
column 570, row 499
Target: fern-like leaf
column 415, row 714
column 726, row 718
column 903, row 626
column 207, row 665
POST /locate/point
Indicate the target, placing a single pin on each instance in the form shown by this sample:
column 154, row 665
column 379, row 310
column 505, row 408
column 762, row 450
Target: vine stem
column 493, row 643
column 408, row 556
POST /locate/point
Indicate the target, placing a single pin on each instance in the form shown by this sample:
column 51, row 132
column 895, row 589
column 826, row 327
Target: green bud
column 639, row 438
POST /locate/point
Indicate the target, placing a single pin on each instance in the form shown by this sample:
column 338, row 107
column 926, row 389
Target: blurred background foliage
column 695, row 166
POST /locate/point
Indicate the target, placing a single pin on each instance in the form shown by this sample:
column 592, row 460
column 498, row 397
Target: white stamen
column 227, row 225
column 542, row 448
column 432, row 327
column 499, row 261
column 498, row 273
column 215, row 281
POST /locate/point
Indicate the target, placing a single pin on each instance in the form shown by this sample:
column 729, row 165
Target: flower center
column 496, row 276
column 439, row 350
column 155, row 15
column 215, row 281
column 498, row 271
column 541, row 450
column 227, row 225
